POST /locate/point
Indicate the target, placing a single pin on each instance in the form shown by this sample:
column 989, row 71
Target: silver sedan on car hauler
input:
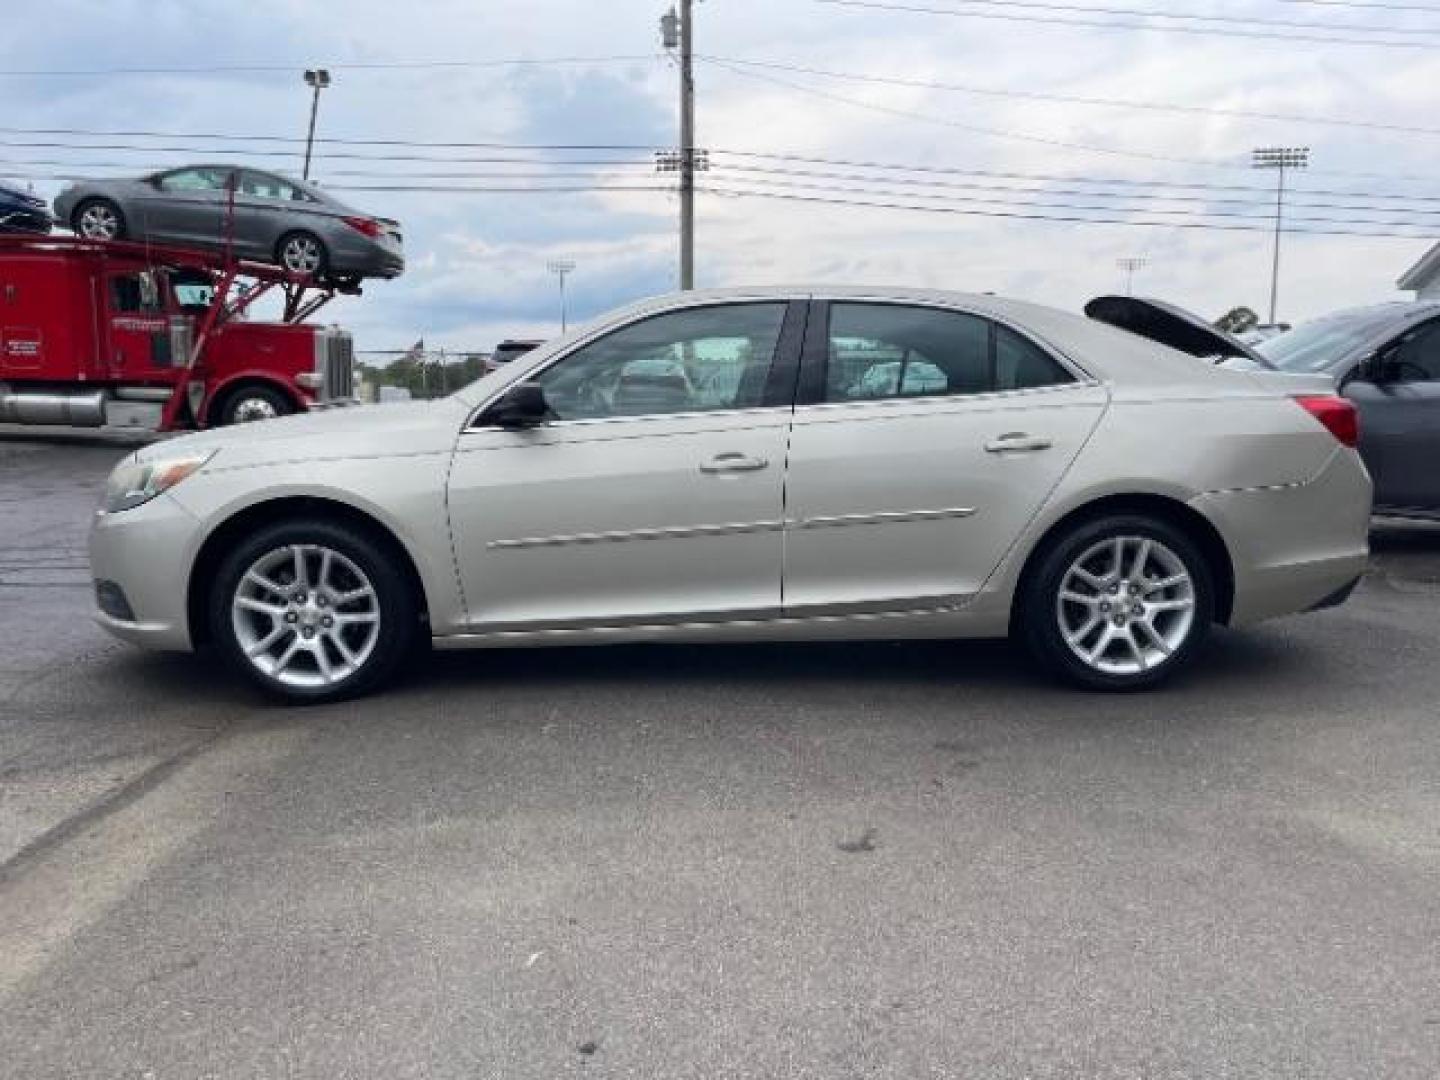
column 749, row 465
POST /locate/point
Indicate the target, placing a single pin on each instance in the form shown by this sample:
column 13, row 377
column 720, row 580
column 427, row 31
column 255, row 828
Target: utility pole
column 677, row 31
column 319, row 79
column 561, row 267
column 1130, row 264
column 1278, row 158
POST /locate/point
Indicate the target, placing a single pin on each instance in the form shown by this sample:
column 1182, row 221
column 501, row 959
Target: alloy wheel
column 301, row 255
column 306, row 616
column 1126, row 605
column 99, row 221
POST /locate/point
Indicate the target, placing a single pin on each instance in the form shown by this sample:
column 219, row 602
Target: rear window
column 1318, row 345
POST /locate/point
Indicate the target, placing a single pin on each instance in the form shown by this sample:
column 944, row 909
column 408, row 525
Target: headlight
column 134, row 483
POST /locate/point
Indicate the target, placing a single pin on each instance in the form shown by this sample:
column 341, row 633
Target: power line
column 1371, row 4
column 950, row 170
column 1264, row 216
column 1062, row 218
column 1097, row 24
column 1006, row 134
column 1186, row 16
column 294, row 140
column 193, row 152
column 335, row 65
column 1035, row 95
column 1261, row 195
column 973, row 128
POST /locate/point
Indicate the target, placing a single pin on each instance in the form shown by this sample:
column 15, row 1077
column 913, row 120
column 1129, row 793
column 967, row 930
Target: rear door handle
column 733, row 462
column 1017, row 442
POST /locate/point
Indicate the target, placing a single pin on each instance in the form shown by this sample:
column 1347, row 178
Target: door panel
column 925, row 441
column 900, row 504
column 188, row 207
column 615, row 522
column 1400, row 421
column 654, row 490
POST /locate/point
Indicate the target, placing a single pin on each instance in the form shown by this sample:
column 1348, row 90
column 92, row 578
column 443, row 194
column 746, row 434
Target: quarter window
column 260, row 185
column 897, row 351
column 696, row 360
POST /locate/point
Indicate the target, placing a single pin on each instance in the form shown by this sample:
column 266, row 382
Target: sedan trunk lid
column 1173, row 326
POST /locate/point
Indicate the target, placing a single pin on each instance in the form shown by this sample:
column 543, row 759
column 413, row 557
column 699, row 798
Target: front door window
column 696, row 360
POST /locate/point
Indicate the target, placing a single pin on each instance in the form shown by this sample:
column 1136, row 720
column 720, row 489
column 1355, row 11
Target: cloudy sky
column 959, row 109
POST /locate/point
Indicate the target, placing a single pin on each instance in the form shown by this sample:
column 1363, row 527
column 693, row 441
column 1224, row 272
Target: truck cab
column 123, row 335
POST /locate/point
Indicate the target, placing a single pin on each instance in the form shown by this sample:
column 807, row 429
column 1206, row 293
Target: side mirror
column 522, row 406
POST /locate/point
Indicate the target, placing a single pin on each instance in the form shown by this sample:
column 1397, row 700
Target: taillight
column 368, row 226
column 1337, row 414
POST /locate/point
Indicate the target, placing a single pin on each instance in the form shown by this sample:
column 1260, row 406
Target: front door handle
column 1017, row 442
column 733, row 462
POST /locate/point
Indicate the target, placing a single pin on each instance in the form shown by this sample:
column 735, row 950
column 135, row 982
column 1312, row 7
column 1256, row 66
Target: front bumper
column 146, row 553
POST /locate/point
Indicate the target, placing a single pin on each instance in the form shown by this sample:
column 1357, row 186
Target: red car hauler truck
column 116, row 334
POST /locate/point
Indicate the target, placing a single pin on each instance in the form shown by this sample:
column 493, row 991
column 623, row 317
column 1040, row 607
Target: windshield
column 1318, row 345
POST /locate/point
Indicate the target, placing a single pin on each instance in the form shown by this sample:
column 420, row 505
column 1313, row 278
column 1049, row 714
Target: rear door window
column 878, row 351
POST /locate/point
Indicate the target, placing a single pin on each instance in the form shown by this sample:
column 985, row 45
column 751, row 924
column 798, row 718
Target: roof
column 1423, row 273
column 1104, row 351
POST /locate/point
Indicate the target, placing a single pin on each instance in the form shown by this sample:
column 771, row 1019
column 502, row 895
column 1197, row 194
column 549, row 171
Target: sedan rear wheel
column 98, row 219
column 1120, row 603
column 301, row 253
column 313, row 611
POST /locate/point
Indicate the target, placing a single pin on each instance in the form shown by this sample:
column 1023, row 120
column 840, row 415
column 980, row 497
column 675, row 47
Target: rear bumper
column 1295, row 548
column 146, row 554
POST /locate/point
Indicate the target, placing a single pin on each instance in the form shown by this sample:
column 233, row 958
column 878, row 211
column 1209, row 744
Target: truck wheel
column 302, row 253
column 313, row 610
column 255, row 403
column 98, row 219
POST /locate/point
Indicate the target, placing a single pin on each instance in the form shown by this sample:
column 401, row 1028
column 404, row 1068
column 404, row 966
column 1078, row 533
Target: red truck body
column 127, row 335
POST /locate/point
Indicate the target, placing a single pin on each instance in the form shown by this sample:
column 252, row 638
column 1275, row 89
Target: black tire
column 78, row 219
column 250, row 403
column 321, row 266
column 397, row 605
column 1039, row 611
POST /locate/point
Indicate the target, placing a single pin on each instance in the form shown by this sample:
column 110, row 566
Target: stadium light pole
column 561, row 267
column 1131, row 263
column 1278, row 158
column 318, row 79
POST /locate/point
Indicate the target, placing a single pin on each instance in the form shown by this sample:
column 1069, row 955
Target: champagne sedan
column 747, row 465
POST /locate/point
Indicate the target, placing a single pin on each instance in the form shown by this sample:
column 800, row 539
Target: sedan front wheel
column 313, row 611
column 1119, row 603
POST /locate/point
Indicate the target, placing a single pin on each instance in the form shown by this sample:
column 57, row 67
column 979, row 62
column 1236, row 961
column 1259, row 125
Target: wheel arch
column 244, row 521
column 221, row 395
column 1194, row 524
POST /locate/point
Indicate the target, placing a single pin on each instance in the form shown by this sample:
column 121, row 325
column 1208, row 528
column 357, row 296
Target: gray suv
column 1386, row 359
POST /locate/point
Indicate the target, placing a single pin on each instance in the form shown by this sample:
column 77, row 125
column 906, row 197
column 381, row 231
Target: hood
column 395, row 430
column 1172, row 326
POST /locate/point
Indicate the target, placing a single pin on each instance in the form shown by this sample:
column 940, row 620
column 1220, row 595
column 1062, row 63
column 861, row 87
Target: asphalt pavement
column 888, row 860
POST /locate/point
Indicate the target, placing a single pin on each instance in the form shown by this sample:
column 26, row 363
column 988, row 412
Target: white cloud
column 477, row 262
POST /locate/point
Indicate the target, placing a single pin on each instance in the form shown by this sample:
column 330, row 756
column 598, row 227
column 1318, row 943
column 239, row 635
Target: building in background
column 1423, row 279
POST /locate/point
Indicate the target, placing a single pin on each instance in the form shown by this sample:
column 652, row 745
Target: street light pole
column 1278, row 158
column 561, row 267
column 319, row 79
column 1130, row 264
